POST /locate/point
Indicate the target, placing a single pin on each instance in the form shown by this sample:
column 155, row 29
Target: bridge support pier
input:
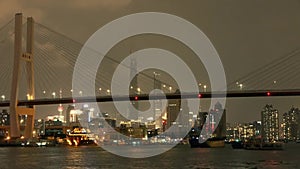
column 15, row 110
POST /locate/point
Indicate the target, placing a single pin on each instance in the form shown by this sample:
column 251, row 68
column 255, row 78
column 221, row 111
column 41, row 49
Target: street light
column 53, row 94
column 108, row 91
column 138, row 90
column 170, row 88
column 204, row 87
column 241, row 86
column 3, row 97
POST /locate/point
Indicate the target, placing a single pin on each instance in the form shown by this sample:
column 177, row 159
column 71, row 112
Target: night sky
column 247, row 34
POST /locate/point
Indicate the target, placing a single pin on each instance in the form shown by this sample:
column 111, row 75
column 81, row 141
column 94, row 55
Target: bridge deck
column 232, row 94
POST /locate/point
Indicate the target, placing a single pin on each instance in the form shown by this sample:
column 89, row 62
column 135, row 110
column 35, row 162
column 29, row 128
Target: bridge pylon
column 19, row 56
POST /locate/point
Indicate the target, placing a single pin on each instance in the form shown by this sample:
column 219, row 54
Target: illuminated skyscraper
column 291, row 123
column 218, row 114
column 270, row 124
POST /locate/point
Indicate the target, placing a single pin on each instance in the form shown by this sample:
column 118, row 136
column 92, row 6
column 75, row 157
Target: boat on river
column 259, row 144
column 80, row 136
column 196, row 141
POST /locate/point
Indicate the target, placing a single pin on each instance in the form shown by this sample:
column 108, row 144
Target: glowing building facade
column 270, row 124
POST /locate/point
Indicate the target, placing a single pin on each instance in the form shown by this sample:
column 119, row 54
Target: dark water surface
column 178, row 157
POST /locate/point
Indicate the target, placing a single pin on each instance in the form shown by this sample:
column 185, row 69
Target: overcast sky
column 247, row 34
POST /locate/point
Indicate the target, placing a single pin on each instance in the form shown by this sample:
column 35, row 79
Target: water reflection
column 178, row 157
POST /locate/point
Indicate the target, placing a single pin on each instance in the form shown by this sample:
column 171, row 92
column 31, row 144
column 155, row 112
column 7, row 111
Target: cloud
column 92, row 4
column 9, row 8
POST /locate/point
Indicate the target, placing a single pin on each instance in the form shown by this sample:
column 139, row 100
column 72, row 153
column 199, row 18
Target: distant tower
column 15, row 110
column 133, row 115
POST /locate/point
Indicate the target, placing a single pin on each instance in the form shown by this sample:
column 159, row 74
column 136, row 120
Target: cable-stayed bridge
column 54, row 56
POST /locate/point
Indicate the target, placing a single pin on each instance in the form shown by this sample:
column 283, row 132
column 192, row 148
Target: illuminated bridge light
column 136, row 98
column 199, row 95
column 43, row 101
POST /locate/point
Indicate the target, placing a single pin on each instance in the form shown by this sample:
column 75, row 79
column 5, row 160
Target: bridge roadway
column 230, row 94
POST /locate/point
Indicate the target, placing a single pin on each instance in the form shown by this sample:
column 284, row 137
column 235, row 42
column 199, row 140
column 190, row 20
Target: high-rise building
column 217, row 121
column 290, row 124
column 157, row 109
column 134, row 90
column 178, row 115
column 213, row 124
column 270, row 124
column 173, row 110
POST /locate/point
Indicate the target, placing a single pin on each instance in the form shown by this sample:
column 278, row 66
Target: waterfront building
column 39, row 127
column 251, row 130
column 4, row 118
column 245, row 131
column 257, row 128
column 270, row 124
column 291, row 125
column 232, row 133
column 4, row 123
column 133, row 129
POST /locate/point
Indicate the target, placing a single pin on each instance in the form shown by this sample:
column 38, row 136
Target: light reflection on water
column 178, row 157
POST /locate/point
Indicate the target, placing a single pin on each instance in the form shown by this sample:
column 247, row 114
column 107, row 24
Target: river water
column 179, row 157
